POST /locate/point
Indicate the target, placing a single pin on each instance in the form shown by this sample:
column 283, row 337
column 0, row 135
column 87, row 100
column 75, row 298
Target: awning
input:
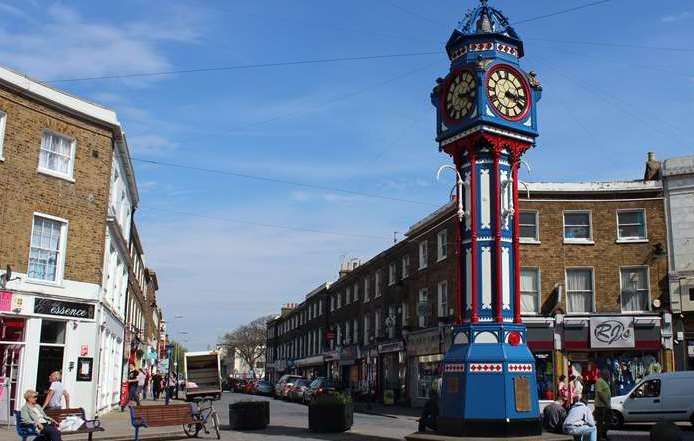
column 318, row 360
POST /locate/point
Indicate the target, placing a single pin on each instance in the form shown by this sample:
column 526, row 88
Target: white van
column 658, row 397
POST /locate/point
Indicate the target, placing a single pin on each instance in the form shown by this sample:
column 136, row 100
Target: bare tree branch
column 248, row 340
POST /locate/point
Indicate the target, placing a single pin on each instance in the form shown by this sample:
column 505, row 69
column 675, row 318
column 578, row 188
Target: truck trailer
column 203, row 378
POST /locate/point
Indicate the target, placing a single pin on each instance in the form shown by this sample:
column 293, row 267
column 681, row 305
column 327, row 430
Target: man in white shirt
column 141, row 377
column 56, row 393
column 580, row 421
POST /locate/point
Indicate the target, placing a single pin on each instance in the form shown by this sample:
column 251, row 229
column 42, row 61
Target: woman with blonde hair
column 33, row 414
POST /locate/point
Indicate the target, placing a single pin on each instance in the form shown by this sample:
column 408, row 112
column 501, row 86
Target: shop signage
column 5, row 301
column 424, row 343
column 84, row 350
column 64, row 309
column 612, row 332
column 85, row 367
column 391, row 347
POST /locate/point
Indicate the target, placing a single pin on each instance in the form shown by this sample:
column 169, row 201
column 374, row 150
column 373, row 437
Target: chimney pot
column 651, row 156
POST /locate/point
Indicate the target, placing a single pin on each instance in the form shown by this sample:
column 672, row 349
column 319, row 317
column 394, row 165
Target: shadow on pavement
column 303, row 433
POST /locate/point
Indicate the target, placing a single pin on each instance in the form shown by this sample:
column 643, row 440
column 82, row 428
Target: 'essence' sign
column 64, row 309
column 612, row 332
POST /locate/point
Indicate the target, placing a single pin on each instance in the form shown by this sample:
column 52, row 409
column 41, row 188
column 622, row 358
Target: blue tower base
column 489, row 385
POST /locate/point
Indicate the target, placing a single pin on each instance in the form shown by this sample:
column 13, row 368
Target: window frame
column 440, row 297
column 580, row 241
column 632, row 239
column 536, row 239
column 566, row 286
column 378, row 281
column 443, row 234
column 423, row 257
column 405, row 261
column 3, row 125
column 648, row 288
column 392, row 273
column 70, row 176
column 60, row 261
column 422, row 319
column 367, row 294
column 539, row 291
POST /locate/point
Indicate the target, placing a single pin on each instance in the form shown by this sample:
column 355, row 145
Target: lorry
column 202, row 375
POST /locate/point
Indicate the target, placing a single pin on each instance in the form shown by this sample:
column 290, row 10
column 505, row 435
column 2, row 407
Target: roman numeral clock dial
column 461, row 95
column 508, row 92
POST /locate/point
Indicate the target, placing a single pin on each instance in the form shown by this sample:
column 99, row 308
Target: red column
column 472, row 212
column 516, row 242
column 460, row 287
column 497, row 234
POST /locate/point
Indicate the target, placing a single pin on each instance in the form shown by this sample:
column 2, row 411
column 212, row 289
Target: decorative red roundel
column 508, row 92
column 514, row 338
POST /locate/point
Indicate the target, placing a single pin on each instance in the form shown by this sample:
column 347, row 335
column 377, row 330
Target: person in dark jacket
column 430, row 413
column 553, row 417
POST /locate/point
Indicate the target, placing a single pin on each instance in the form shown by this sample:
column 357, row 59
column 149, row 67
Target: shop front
column 311, row 367
column 541, row 341
column 59, row 335
column 392, row 373
column 332, row 366
column 349, row 370
column 628, row 347
column 367, row 366
column 425, row 356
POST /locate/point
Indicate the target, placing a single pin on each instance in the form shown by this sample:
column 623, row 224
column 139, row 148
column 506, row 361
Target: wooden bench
column 25, row 430
column 161, row 416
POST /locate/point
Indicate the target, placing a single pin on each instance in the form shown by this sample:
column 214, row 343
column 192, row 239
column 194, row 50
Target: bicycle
column 203, row 415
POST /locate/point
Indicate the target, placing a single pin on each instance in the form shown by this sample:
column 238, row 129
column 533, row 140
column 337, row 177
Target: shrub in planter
column 249, row 415
column 330, row 413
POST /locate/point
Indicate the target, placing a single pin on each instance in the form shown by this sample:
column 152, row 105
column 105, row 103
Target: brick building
column 69, row 192
column 593, row 257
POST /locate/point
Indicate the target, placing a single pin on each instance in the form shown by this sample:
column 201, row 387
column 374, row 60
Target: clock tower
column 485, row 120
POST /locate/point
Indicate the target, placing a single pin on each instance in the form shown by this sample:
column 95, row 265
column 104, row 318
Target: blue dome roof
column 485, row 20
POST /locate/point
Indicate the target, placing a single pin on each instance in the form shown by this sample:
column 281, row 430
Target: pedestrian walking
column 145, row 386
column 32, row 413
column 156, row 385
column 56, row 393
column 580, row 421
column 171, row 385
column 141, row 377
column 603, row 397
column 132, row 385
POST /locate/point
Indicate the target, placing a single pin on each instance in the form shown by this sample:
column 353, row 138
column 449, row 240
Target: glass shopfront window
column 11, row 347
column 544, row 370
column 428, row 371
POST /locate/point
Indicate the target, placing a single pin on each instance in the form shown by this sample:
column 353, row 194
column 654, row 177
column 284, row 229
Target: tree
column 178, row 351
column 248, row 341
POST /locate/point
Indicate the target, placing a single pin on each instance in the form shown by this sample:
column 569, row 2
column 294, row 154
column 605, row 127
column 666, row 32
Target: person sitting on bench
column 32, row 413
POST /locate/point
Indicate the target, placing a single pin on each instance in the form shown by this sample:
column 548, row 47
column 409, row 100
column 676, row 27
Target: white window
column 423, row 254
column 577, row 227
column 392, row 273
column 47, row 250
column 442, row 245
column 355, row 291
column 405, row 314
column 57, row 155
column 377, row 283
column 348, row 296
column 355, row 330
column 3, row 121
column 579, row 290
column 529, row 231
column 366, row 289
column 631, row 225
column 320, row 307
column 405, row 266
column 443, row 298
column 635, row 289
column 366, row 330
column 423, row 307
column 339, row 300
column 339, row 334
column 390, row 322
column 348, row 333
column 530, row 290
column 332, row 303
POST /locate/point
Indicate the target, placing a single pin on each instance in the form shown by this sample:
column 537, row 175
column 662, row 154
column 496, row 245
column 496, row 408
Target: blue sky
column 366, row 126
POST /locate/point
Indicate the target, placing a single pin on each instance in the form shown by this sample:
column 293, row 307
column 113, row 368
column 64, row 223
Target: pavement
column 289, row 422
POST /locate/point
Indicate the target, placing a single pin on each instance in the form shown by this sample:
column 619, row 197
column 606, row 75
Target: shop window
column 428, row 370
column 648, row 389
column 50, row 357
column 635, row 292
column 53, row 332
column 579, row 290
column 530, row 290
column 631, row 225
column 577, row 227
column 528, row 226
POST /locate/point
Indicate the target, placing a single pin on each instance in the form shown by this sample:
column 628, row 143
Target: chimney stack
column 653, row 168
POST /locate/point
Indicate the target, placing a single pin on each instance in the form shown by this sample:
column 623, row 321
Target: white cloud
column 150, row 144
column 67, row 45
column 676, row 17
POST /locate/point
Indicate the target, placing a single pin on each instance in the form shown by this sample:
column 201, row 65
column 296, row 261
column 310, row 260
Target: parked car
column 319, row 386
column 281, row 386
column 264, row 387
column 658, row 397
column 296, row 391
column 230, row 384
column 249, row 388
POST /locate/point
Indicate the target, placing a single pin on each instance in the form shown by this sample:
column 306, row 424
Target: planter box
column 330, row 417
column 249, row 415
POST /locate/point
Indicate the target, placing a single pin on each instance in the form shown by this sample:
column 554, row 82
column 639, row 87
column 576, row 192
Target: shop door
column 644, row 403
column 50, row 354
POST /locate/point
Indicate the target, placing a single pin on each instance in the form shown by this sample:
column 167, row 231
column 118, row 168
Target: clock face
column 508, row 93
column 461, row 95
